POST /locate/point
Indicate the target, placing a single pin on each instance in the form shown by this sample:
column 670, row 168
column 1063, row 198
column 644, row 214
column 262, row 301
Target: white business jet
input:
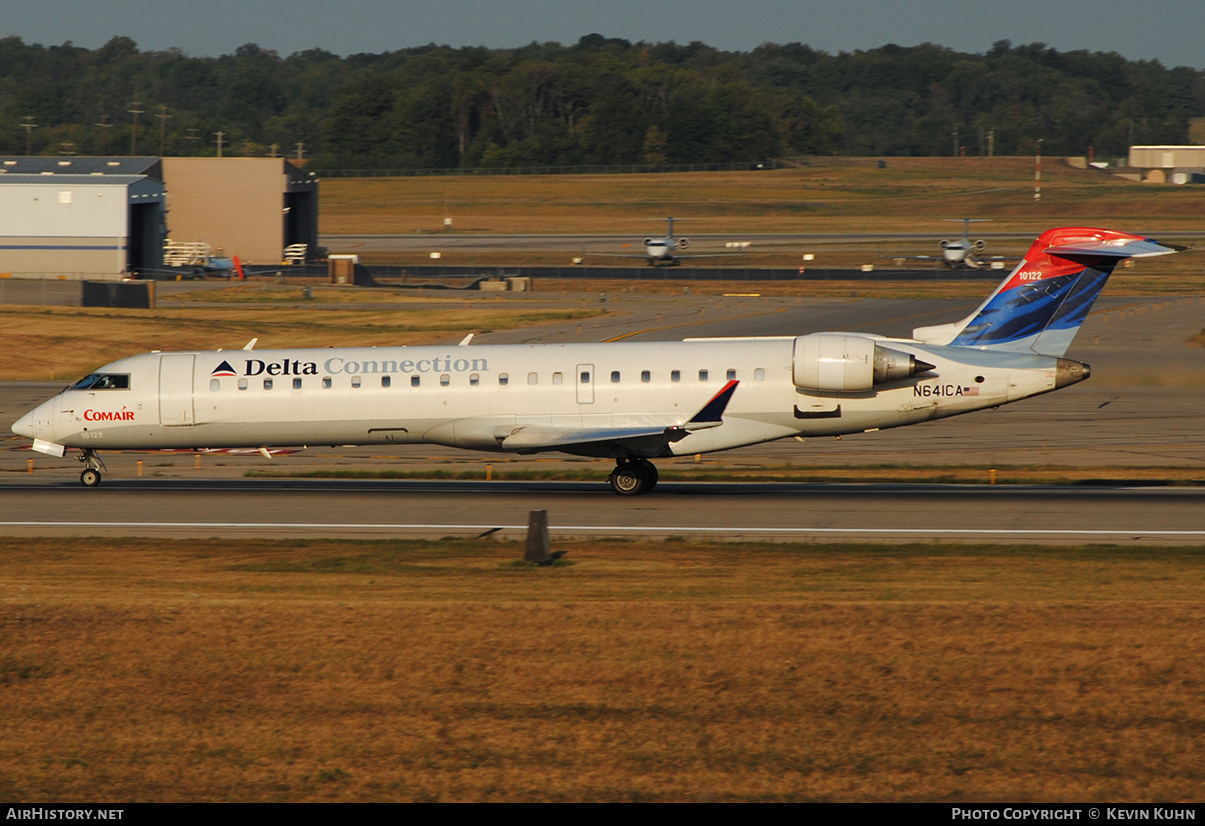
column 630, row 401
column 667, row 249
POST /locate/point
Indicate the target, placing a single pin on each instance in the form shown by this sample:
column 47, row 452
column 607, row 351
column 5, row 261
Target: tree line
column 597, row 102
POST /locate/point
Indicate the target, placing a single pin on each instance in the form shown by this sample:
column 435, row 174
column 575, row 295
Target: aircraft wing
column 646, row 439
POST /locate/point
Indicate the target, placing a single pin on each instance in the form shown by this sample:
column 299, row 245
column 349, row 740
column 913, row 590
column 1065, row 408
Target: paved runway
column 1143, row 407
column 311, row 508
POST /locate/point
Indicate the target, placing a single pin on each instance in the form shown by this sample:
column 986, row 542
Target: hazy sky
column 1170, row 31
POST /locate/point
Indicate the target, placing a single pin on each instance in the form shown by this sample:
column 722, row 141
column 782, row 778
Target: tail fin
column 1040, row 306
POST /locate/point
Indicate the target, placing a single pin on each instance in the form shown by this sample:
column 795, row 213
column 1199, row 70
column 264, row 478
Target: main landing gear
column 632, row 477
column 90, row 478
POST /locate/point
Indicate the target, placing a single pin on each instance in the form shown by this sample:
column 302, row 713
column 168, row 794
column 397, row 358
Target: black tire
column 649, row 470
column 627, row 480
column 90, row 478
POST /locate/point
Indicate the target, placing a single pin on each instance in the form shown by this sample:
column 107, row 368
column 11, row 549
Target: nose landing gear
column 90, row 477
column 633, row 477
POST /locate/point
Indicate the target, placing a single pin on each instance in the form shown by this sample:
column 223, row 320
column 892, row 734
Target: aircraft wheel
column 649, row 471
column 627, row 480
column 90, row 478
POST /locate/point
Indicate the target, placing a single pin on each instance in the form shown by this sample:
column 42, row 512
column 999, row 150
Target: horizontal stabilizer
column 1116, row 248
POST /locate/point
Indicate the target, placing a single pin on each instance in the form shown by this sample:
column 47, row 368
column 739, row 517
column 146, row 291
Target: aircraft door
column 175, row 390
column 585, row 384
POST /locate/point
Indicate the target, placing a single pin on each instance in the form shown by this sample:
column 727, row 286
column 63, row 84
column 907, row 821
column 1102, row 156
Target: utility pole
column 1037, row 172
column 163, row 116
column 28, row 126
column 104, row 140
column 134, row 131
column 220, row 135
column 300, row 150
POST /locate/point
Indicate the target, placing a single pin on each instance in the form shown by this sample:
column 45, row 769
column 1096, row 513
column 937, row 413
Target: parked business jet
column 629, row 401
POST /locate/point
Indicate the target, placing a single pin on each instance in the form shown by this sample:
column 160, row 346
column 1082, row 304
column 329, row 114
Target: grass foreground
column 151, row 670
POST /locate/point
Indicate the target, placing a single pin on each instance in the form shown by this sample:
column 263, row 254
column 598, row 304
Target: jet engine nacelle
column 945, row 245
column 683, row 242
column 836, row 363
column 981, row 245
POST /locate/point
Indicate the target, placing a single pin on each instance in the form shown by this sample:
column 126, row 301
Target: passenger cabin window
column 242, row 384
column 474, row 379
column 731, row 374
column 355, row 381
column 646, row 376
column 557, row 378
column 702, row 375
column 103, row 381
column 585, row 377
column 503, row 379
column 614, row 377
column 414, row 381
column 675, row 375
column 215, row 385
column 296, row 384
column 385, row 381
column 444, row 379
column 267, row 384
column 532, row 378
column 326, row 382
column 759, row 374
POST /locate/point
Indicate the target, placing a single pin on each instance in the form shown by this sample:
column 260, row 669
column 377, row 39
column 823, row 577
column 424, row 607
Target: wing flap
column 646, row 438
column 535, row 439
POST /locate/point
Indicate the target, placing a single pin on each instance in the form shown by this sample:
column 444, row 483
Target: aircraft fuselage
column 474, row 397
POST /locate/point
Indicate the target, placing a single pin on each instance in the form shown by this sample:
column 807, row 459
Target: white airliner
column 629, row 401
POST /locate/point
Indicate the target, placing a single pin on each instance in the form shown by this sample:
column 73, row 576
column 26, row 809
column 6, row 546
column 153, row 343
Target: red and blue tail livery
column 1044, row 301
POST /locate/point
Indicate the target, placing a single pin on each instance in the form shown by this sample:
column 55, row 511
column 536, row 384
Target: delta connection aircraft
column 629, row 401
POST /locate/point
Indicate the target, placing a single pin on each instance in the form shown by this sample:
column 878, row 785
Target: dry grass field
column 832, row 195
column 67, row 342
column 141, row 670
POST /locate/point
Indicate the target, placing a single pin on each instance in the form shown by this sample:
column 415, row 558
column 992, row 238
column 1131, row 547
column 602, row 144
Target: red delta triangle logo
column 223, row 369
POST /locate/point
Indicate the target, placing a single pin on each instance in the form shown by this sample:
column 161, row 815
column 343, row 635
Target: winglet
column 712, row 413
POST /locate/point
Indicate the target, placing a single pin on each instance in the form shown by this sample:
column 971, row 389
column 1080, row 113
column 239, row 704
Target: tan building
column 1167, row 157
column 247, row 207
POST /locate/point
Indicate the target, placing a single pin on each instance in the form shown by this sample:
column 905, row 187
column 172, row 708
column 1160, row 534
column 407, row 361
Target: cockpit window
column 104, row 381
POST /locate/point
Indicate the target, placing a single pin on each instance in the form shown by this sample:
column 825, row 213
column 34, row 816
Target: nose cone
column 24, row 426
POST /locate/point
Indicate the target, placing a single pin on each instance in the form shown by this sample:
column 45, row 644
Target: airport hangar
column 105, row 219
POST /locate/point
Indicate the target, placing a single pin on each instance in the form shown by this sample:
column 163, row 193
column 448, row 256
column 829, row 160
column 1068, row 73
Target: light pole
column 1037, row 172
